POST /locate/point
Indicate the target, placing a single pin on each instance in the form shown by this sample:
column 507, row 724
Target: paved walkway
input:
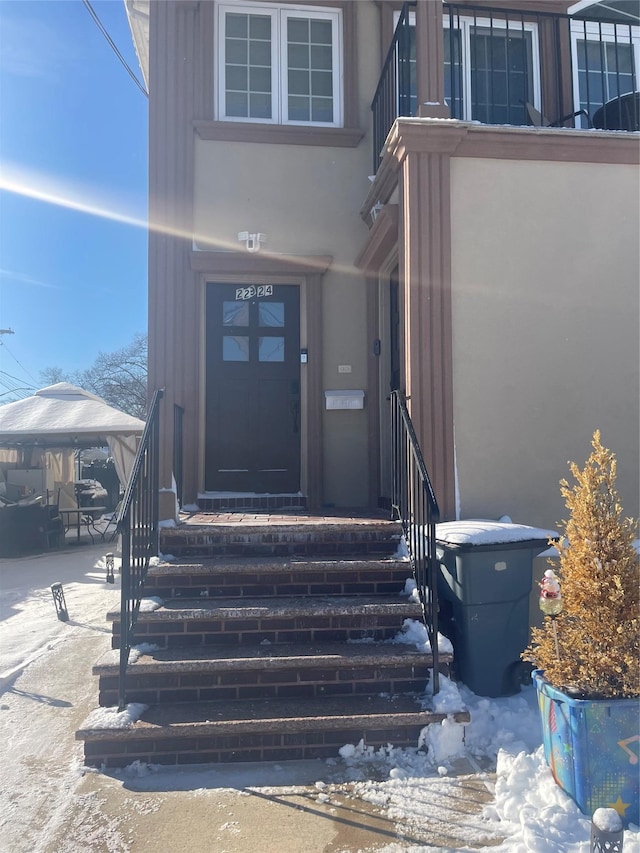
column 49, row 804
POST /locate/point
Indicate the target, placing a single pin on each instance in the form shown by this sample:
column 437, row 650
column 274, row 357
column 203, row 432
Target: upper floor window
column 279, row 64
column 491, row 69
column 606, row 63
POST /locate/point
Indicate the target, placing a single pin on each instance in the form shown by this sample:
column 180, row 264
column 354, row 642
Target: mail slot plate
column 344, row 399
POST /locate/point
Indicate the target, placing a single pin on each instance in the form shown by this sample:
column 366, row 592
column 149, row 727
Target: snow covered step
column 298, row 619
column 265, row 730
column 271, row 671
column 249, row 577
column 247, row 534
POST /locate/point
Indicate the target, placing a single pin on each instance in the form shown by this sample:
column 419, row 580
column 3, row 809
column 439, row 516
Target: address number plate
column 251, row 292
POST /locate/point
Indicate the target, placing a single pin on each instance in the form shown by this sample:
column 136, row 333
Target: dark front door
column 253, row 388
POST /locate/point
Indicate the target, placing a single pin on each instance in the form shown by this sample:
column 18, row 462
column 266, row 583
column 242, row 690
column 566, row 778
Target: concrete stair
column 271, row 642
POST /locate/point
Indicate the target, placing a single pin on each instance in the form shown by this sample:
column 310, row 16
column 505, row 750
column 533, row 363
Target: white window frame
column 464, row 26
column 594, row 31
column 279, row 69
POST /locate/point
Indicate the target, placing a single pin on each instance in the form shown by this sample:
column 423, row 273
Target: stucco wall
column 545, row 273
column 306, row 199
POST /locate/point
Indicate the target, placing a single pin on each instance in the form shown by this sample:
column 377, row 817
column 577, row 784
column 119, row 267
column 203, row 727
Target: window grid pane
column 235, row 348
column 271, row 349
column 501, row 74
column 271, row 314
column 248, row 66
column 604, row 72
column 235, row 313
column 310, row 70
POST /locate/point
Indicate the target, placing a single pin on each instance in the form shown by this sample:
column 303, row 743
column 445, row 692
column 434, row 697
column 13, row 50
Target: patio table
column 83, row 515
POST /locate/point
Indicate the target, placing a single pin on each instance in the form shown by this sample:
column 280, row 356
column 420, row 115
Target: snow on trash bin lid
column 480, row 531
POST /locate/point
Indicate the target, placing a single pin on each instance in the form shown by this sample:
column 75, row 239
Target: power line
column 30, row 375
column 112, row 44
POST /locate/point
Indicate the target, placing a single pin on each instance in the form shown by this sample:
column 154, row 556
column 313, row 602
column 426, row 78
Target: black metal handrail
column 178, row 447
column 139, row 529
column 393, row 95
column 517, row 67
column 415, row 505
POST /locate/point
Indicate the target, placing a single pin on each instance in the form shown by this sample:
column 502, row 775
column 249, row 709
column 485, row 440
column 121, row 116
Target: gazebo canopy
column 63, row 416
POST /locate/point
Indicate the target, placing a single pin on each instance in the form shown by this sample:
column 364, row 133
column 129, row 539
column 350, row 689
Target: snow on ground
column 449, row 793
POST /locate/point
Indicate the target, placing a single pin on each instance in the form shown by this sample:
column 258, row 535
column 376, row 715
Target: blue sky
column 73, row 127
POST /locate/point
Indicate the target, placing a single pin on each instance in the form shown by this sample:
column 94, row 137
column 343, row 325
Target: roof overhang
column 625, row 11
column 138, row 16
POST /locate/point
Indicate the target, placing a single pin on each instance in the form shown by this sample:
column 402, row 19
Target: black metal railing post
column 415, row 505
column 178, row 417
column 138, row 525
column 392, row 97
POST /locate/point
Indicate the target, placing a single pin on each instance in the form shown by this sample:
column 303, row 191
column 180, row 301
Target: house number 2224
column 250, row 292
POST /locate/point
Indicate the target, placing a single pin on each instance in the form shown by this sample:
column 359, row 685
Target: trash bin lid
column 479, row 533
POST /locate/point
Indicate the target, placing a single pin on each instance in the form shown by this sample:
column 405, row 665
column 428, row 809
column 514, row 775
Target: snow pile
column 402, row 552
column 532, row 810
column 448, row 699
column 148, row 605
column 414, row 633
column 136, row 652
column 111, row 718
column 410, row 590
column 477, row 531
column 513, row 722
column 443, row 741
column 529, row 813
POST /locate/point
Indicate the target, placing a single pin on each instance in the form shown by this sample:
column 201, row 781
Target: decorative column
column 430, row 60
column 425, row 272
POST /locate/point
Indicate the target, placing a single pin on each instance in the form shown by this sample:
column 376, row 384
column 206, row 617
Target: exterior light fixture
column 58, row 599
column 252, row 241
column 109, row 561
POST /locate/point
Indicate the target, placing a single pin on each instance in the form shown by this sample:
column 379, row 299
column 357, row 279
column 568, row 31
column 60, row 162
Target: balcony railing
column 518, row 67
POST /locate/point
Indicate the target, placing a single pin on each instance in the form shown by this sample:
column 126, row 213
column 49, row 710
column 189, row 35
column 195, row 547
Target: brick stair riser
column 205, row 547
column 365, row 582
column 317, row 629
column 266, row 684
column 244, row 747
column 272, row 503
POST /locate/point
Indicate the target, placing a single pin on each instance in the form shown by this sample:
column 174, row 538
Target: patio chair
column 537, row 119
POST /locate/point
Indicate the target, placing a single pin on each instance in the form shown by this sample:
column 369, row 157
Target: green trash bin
column 484, row 583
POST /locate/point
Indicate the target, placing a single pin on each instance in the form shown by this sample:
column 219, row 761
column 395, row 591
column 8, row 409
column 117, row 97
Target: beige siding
column 545, row 273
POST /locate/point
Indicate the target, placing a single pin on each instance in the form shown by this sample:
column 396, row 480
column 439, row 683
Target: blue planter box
column 592, row 748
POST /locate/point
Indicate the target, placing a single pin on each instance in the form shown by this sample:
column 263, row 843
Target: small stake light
column 109, row 561
column 607, row 832
column 551, row 601
column 58, row 599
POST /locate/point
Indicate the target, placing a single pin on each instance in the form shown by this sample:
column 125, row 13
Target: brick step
column 264, row 576
column 273, row 671
column 280, row 535
column 232, row 502
column 303, row 619
column 265, row 730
